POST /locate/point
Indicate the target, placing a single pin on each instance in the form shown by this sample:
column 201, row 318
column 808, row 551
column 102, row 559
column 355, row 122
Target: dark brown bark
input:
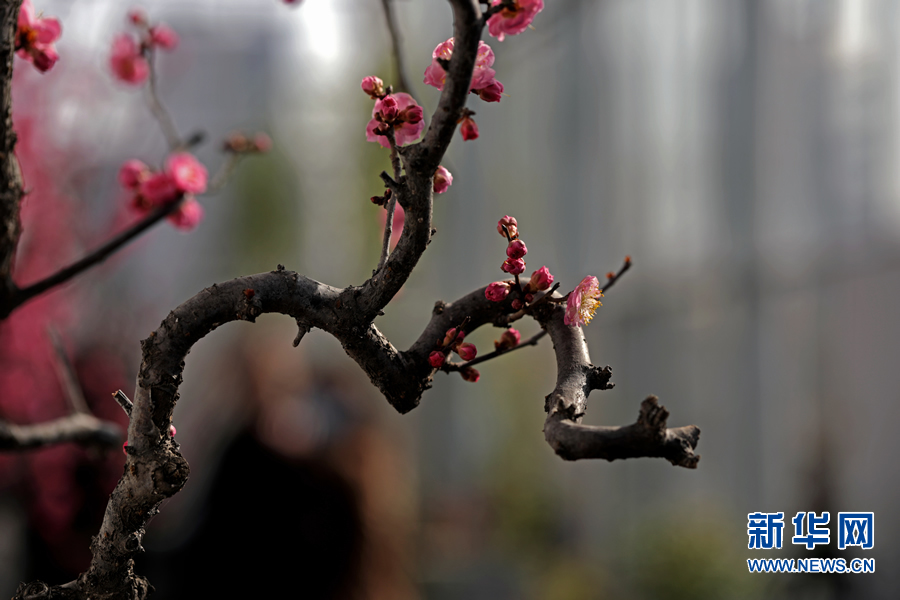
column 10, row 177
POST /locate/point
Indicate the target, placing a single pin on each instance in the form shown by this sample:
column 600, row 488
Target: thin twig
column 402, row 81
column 100, row 254
column 615, row 278
column 123, row 401
column 392, row 203
column 67, row 376
column 166, row 123
column 532, row 341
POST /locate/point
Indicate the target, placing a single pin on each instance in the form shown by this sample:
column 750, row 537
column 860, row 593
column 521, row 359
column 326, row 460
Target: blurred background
column 742, row 152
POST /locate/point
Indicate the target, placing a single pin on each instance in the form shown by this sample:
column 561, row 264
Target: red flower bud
column 497, row 291
column 516, row 249
column 513, row 266
column 470, row 374
column 509, row 339
column 436, row 359
column 467, row 351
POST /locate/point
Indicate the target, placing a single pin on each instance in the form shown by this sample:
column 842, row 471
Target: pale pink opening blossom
column 163, row 36
column 541, row 279
column 35, row 37
column 583, row 302
column 132, row 173
column 127, row 62
column 187, row 173
column 515, row 19
column 407, row 121
column 483, row 76
column 172, row 431
column 187, row 216
column 469, row 129
column 513, row 266
column 373, row 86
column 442, row 180
column 467, row 351
column 511, row 226
column 516, row 249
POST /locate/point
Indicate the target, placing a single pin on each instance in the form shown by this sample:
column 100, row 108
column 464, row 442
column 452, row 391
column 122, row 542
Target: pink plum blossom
column 172, row 431
column 514, row 19
column 187, row 216
column 442, row 180
column 541, row 279
column 483, row 76
column 187, row 173
column 492, row 92
column 516, row 304
column 508, row 339
column 583, row 302
column 516, row 249
column 513, row 266
column 163, row 37
column 127, row 61
column 467, row 351
column 511, row 227
column 132, row 173
column 469, row 129
column 156, row 190
column 35, row 36
column 373, row 86
column 497, row 291
column 402, row 113
column 436, row 359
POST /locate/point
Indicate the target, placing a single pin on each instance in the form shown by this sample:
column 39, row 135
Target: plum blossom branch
column 532, row 341
column 76, row 427
column 159, row 110
column 392, row 202
column 19, row 296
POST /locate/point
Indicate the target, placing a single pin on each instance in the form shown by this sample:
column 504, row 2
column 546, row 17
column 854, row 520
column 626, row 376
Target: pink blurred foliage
column 30, row 391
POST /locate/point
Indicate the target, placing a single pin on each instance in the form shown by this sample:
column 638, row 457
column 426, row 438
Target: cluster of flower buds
column 239, row 143
column 484, row 82
column 392, row 112
column 514, row 264
column 35, row 36
column 509, row 339
column 129, row 60
column 182, row 177
column 453, row 341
